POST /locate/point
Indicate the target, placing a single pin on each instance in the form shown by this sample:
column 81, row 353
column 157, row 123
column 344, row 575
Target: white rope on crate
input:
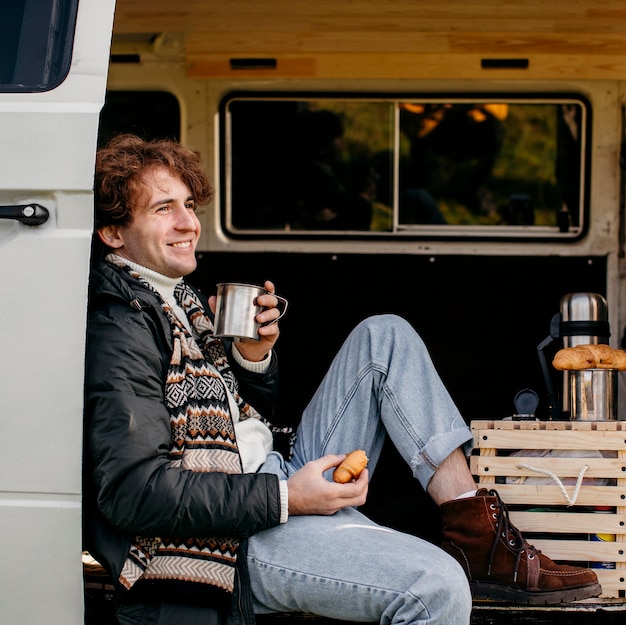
column 570, row 500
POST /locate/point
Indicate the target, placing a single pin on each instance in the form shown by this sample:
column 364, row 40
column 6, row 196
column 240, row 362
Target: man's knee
column 387, row 324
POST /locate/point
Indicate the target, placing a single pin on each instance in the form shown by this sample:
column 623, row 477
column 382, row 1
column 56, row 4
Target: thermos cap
column 526, row 402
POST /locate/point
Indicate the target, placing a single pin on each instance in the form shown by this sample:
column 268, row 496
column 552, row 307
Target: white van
column 53, row 70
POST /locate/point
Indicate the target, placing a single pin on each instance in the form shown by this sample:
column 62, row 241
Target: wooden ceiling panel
column 372, row 15
column 299, row 33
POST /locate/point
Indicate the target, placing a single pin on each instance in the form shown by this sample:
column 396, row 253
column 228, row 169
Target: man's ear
column 110, row 236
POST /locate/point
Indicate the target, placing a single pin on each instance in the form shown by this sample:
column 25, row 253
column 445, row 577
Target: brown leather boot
column 500, row 564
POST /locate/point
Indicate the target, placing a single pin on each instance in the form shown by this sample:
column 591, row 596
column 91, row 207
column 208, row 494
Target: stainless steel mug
column 236, row 310
column 593, row 395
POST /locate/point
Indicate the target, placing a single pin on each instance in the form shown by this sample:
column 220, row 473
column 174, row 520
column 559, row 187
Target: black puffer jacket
column 130, row 486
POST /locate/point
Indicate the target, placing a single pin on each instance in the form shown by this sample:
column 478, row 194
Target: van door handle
column 28, row 214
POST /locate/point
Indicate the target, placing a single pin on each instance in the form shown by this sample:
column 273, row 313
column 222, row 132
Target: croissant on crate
column 594, row 356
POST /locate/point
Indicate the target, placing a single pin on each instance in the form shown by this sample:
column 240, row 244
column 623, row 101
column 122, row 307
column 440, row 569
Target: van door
column 53, row 66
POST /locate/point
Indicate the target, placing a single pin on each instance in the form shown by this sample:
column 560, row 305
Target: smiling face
column 164, row 229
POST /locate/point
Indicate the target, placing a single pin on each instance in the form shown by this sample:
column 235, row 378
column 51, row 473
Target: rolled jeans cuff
column 430, row 457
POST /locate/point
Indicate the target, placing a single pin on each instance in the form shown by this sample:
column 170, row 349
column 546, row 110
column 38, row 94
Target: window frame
column 504, row 233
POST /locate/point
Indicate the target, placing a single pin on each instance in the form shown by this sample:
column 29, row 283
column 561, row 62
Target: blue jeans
column 381, row 383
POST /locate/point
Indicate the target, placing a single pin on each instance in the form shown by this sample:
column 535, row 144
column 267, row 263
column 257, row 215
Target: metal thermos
column 584, row 320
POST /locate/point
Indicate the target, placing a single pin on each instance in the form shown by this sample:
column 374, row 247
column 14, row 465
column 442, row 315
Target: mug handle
column 281, row 300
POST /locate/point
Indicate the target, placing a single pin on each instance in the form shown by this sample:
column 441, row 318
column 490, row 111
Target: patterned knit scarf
column 203, row 440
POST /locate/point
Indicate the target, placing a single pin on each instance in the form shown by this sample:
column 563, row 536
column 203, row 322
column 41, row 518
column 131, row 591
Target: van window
column 407, row 166
column 148, row 114
column 36, row 38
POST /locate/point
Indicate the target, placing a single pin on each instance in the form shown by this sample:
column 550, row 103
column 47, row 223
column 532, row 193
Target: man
column 187, row 505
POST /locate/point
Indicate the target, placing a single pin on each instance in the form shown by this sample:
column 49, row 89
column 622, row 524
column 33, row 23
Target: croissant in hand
column 350, row 467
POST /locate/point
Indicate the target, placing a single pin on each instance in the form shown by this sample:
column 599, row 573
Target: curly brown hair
column 119, row 166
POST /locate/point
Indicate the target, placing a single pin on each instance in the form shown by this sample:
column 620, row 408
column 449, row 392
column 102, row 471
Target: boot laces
column 505, row 529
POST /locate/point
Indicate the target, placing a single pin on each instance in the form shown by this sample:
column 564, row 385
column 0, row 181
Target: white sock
column 469, row 493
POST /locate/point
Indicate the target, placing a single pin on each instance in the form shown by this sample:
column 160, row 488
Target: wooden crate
column 561, row 533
